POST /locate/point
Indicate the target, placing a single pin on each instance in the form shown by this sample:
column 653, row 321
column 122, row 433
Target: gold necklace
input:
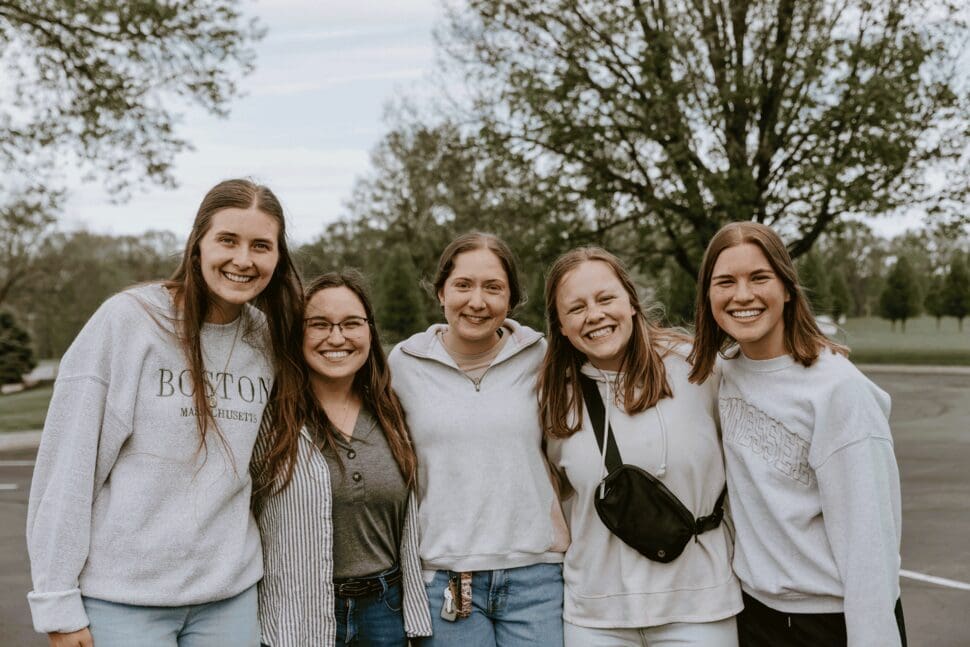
column 235, row 335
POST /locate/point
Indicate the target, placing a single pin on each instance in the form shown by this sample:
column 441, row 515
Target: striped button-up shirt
column 296, row 594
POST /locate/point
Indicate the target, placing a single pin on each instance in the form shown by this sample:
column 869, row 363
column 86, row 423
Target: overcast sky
column 313, row 110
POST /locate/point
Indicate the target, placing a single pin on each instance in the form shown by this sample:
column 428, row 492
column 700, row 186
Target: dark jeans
column 762, row 626
column 372, row 621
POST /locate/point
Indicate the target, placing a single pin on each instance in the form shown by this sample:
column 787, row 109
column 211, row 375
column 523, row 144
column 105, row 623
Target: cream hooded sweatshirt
column 607, row 583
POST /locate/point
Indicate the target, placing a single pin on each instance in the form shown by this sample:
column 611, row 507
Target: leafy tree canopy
column 675, row 117
column 95, row 81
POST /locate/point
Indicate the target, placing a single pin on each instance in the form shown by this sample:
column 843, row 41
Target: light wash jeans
column 231, row 621
column 516, row 607
column 722, row 633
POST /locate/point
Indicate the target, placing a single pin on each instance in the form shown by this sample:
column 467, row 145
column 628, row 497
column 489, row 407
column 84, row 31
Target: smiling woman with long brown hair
column 811, row 472
column 336, row 512
column 138, row 527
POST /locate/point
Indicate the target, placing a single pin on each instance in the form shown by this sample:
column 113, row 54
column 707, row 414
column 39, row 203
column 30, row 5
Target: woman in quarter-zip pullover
column 491, row 529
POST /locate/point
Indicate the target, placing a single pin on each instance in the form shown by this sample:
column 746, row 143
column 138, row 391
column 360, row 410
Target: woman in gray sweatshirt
column 138, row 525
column 490, row 524
column 811, row 471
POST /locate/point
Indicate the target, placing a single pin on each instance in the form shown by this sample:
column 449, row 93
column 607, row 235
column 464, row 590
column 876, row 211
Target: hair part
column 280, row 301
column 643, row 376
column 802, row 337
column 472, row 241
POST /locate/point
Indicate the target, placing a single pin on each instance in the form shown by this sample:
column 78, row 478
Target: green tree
column 852, row 248
column 16, row 355
column 669, row 119
column 399, row 303
column 956, row 290
column 900, row 299
column 933, row 303
column 431, row 182
column 813, row 277
column 25, row 221
column 840, row 299
column 75, row 272
column 677, row 292
column 97, row 82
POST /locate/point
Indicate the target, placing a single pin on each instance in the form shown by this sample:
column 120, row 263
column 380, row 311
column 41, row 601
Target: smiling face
column 475, row 298
column 595, row 313
column 237, row 255
column 332, row 353
column 748, row 301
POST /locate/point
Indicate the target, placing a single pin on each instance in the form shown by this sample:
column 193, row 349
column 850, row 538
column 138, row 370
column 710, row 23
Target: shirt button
column 357, row 476
column 351, row 454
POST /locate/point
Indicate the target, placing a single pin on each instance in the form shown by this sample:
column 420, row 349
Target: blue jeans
column 232, row 621
column 372, row 621
column 516, row 607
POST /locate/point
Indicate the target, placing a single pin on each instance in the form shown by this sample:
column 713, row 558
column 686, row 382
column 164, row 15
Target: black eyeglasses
column 349, row 327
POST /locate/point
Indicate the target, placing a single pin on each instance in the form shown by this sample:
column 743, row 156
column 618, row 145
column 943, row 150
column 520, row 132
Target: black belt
column 360, row 587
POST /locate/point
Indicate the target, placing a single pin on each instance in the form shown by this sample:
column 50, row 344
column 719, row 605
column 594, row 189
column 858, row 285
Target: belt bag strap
column 596, row 412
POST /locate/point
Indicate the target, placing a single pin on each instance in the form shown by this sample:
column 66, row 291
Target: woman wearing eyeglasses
column 334, row 509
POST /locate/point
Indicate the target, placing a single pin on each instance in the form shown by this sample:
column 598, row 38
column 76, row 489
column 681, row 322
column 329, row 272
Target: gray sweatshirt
column 610, row 585
column 485, row 499
column 124, row 506
column 814, row 490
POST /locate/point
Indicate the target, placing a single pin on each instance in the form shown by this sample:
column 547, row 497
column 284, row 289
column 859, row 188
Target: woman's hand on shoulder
column 79, row 638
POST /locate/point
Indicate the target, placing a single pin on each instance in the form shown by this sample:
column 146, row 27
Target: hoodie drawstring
column 662, row 470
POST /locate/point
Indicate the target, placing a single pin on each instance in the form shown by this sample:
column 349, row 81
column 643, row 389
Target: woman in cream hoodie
column 663, row 424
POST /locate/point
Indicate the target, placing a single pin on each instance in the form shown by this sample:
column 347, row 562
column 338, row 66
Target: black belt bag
column 634, row 504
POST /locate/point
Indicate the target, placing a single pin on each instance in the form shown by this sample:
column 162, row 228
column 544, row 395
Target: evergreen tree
column 933, row 303
column 956, row 290
column 900, row 299
column 678, row 293
column 16, row 355
column 811, row 275
column 840, row 299
column 398, row 300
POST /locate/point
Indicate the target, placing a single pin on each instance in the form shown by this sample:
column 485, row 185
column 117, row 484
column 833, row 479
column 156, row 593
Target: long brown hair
column 280, row 301
column 643, row 375
column 803, row 338
column 372, row 384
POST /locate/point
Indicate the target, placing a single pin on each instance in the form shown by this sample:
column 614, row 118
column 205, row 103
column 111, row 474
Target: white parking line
column 932, row 579
column 8, row 486
column 16, row 463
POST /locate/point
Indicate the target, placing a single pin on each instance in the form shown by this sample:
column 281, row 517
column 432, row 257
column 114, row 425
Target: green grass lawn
column 873, row 341
column 24, row 411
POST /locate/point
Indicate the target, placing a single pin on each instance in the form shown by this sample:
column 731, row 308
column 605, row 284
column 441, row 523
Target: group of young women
column 231, row 460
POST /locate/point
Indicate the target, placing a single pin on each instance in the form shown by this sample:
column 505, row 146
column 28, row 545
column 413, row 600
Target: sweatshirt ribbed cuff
column 60, row 611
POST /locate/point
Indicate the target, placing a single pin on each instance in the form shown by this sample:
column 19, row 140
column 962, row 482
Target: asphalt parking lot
column 931, row 427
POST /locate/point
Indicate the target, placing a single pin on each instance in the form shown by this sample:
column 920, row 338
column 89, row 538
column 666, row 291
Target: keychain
column 448, row 610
